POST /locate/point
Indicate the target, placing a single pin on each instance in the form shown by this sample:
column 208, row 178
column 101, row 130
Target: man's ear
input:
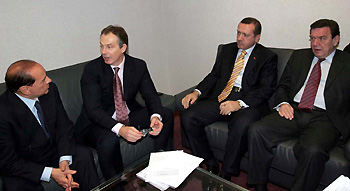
column 124, row 47
column 336, row 40
column 257, row 38
column 23, row 90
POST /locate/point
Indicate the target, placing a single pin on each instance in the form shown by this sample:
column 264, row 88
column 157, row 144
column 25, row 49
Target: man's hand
column 63, row 176
column 286, row 111
column 129, row 133
column 156, row 125
column 190, row 99
column 229, row 106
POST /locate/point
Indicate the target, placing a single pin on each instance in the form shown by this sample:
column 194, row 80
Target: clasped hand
column 63, row 176
column 229, row 106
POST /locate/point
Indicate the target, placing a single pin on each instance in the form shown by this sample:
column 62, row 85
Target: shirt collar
column 29, row 102
column 249, row 50
column 120, row 66
column 329, row 58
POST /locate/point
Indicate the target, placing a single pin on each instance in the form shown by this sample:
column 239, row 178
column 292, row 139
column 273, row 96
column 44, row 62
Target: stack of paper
column 342, row 183
column 169, row 169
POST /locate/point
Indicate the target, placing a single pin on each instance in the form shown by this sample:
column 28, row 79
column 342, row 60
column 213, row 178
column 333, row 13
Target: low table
column 199, row 179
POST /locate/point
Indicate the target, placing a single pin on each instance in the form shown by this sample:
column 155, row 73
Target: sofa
column 67, row 80
column 283, row 165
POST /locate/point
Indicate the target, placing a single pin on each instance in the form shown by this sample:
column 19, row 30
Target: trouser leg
column 108, row 149
column 263, row 135
column 83, row 163
column 311, row 151
column 237, row 141
column 194, row 119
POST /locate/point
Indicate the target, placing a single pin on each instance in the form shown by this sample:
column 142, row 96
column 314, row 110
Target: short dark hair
column 255, row 22
column 117, row 31
column 18, row 75
column 333, row 26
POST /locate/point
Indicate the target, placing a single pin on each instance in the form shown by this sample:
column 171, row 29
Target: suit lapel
column 304, row 68
column 127, row 75
column 336, row 67
column 25, row 118
column 253, row 58
column 229, row 57
column 107, row 73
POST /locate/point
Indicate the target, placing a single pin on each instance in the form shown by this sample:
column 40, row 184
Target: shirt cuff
column 45, row 176
column 199, row 92
column 156, row 115
column 244, row 105
column 277, row 108
column 116, row 128
column 69, row 158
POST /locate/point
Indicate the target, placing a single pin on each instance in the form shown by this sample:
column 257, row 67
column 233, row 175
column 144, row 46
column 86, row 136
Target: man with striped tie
column 312, row 105
column 237, row 90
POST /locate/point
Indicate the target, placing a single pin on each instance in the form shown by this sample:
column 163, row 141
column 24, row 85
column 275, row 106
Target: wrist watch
column 240, row 104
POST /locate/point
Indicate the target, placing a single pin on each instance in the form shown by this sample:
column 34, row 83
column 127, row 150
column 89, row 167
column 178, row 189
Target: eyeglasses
column 321, row 38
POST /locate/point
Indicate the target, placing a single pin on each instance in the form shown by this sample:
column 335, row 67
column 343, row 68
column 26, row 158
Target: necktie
column 310, row 91
column 120, row 107
column 41, row 118
column 235, row 72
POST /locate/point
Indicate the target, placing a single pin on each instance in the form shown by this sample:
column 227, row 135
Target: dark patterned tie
column 41, row 118
column 310, row 91
column 120, row 106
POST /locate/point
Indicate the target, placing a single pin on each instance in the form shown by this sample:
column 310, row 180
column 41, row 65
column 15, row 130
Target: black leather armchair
column 67, row 80
column 284, row 162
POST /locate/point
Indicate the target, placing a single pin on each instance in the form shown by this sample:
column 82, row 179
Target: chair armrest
column 347, row 149
column 167, row 100
column 179, row 96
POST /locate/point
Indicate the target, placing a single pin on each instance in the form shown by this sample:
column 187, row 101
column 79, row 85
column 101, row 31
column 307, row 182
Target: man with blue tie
column 36, row 135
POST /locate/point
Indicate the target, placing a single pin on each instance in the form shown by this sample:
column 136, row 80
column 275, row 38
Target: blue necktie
column 41, row 118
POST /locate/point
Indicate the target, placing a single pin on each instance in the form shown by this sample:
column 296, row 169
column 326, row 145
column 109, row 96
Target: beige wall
column 178, row 39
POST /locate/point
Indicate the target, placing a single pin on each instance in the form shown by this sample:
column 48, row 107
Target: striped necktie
column 235, row 72
column 310, row 91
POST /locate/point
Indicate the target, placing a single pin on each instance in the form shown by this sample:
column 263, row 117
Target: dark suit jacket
column 259, row 78
column 337, row 90
column 97, row 91
column 25, row 150
column 347, row 48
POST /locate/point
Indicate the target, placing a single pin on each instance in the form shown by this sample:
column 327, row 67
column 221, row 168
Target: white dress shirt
column 117, row 127
column 319, row 99
column 238, row 82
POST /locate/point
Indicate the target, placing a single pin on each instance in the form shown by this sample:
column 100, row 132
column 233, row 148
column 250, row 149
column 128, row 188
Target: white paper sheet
column 170, row 168
column 342, row 183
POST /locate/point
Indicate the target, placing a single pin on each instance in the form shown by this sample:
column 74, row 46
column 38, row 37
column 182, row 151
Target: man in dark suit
column 36, row 135
column 347, row 48
column 102, row 121
column 312, row 103
column 245, row 102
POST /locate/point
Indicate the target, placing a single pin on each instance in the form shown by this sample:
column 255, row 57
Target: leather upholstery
column 67, row 80
column 284, row 162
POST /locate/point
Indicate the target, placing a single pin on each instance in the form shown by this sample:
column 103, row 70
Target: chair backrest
column 283, row 57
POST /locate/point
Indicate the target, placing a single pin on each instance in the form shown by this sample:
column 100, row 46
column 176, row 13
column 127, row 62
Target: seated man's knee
column 310, row 151
column 255, row 129
column 109, row 141
column 186, row 117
